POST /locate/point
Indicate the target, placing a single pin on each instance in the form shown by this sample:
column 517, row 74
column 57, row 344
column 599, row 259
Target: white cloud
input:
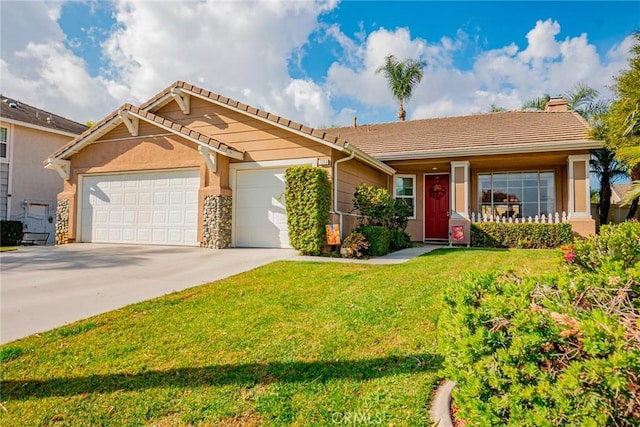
column 229, row 47
column 506, row 77
column 243, row 50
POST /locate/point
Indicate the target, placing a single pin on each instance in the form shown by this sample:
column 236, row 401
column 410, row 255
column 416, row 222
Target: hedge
column 379, row 239
column 524, row 236
column 308, row 195
column 563, row 349
column 10, row 232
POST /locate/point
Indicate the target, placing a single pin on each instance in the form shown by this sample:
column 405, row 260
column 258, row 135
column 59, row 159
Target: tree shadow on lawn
column 218, row 375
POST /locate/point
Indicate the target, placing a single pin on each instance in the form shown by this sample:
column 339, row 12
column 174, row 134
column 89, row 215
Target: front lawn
column 291, row 343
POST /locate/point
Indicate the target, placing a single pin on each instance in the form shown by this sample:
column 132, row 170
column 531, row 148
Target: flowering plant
column 568, row 253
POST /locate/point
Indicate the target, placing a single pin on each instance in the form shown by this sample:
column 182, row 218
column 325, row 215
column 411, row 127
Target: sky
column 309, row 61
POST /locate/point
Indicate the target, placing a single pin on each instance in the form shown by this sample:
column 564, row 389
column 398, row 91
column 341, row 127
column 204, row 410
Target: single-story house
column 191, row 167
column 28, row 135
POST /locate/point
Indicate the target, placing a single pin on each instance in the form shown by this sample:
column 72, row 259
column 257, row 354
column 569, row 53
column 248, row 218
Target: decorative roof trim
column 117, row 117
column 315, row 135
column 487, row 151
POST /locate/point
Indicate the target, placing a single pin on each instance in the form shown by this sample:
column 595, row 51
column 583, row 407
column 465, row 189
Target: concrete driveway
column 44, row 287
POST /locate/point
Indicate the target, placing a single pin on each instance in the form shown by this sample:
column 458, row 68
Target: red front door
column 436, row 206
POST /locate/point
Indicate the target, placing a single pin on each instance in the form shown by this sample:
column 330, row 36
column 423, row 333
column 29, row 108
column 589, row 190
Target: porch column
column 579, row 195
column 460, row 189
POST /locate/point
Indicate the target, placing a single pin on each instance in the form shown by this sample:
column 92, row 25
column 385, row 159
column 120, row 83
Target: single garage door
column 158, row 208
column 261, row 219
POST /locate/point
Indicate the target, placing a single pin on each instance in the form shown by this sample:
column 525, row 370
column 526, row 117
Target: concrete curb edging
column 441, row 407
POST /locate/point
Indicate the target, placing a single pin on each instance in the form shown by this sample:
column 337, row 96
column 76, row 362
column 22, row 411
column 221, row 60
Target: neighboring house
column 617, row 212
column 28, row 135
column 618, row 192
column 190, row 167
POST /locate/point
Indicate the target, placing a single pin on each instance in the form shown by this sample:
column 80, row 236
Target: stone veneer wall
column 216, row 224
column 62, row 222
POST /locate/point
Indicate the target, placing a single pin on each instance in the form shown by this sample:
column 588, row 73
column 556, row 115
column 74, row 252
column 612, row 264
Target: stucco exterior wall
column 156, row 149
column 30, row 182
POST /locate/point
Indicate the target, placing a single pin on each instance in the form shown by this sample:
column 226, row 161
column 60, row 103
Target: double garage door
column 161, row 208
column 158, row 208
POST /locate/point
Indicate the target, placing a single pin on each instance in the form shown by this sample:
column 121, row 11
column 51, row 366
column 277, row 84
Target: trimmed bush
column 524, row 236
column 379, row 239
column 308, row 194
column 563, row 349
column 10, row 232
column 615, row 243
column 398, row 239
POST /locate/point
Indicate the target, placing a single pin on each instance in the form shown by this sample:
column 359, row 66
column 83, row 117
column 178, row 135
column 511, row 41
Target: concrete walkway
column 44, row 287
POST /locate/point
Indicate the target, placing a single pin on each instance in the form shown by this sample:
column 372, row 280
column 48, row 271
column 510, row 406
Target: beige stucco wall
column 30, row 182
column 156, row 149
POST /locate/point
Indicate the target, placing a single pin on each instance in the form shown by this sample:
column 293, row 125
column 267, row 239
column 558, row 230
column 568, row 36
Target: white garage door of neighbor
column 157, row 208
column 261, row 218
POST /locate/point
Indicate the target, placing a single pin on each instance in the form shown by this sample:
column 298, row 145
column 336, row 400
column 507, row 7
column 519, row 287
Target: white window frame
column 5, row 159
column 538, row 171
column 395, row 195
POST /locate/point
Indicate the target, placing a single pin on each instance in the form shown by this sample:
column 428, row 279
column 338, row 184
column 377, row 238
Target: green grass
column 291, row 343
column 8, row 248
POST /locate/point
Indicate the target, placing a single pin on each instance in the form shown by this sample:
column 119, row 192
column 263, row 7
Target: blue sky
column 313, row 62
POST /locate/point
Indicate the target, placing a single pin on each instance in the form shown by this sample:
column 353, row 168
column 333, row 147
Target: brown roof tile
column 25, row 113
column 515, row 129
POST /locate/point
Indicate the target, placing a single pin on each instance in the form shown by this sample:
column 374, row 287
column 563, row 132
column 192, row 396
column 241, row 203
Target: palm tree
column 605, row 166
column 402, row 77
column 582, row 99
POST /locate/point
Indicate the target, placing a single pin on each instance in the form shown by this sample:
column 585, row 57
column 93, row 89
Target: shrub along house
column 190, row 167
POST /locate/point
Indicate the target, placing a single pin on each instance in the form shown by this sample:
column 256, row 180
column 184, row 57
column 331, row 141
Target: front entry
column 436, row 206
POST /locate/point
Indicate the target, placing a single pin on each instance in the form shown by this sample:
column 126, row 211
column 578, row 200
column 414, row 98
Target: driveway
column 44, row 287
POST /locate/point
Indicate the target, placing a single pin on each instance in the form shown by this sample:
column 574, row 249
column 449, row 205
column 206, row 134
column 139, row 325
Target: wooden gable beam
column 182, row 98
column 131, row 122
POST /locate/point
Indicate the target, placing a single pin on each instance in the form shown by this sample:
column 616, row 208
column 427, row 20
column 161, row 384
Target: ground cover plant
column 286, row 344
column 559, row 349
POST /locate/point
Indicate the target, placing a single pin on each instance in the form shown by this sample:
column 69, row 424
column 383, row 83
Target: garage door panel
column 260, row 215
column 150, row 208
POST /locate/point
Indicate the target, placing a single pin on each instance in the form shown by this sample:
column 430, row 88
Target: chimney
column 355, row 122
column 557, row 104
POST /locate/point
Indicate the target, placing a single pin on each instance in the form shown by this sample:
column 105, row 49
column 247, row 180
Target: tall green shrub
column 307, row 202
column 10, row 232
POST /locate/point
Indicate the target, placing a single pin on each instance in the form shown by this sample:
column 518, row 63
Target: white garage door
column 158, row 208
column 261, row 219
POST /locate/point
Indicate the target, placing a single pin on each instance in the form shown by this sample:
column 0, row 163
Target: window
column 405, row 189
column 3, row 143
column 517, row 194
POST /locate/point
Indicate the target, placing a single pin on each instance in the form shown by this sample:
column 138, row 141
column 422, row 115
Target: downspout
column 335, row 188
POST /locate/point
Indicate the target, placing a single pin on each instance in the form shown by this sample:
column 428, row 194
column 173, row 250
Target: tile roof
column 178, row 128
column 317, row 133
column 25, row 113
column 426, row 137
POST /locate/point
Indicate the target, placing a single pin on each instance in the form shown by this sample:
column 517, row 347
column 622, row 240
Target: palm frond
column 629, row 155
column 539, row 103
column 633, row 193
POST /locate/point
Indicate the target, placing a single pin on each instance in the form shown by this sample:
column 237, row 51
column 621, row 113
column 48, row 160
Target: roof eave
column 359, row 153
column 40, row 128
column 487, row 151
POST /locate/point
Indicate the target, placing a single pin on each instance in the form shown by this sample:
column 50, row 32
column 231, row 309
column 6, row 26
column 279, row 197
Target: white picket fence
column 551, row 219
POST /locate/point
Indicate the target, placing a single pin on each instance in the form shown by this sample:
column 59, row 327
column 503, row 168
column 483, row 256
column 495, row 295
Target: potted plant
column 353, row 245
